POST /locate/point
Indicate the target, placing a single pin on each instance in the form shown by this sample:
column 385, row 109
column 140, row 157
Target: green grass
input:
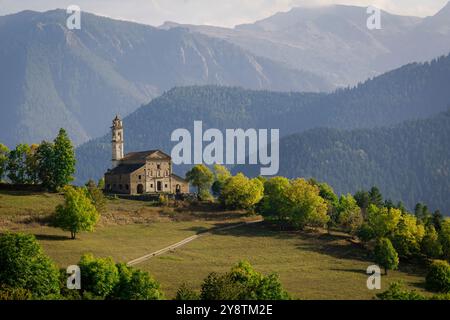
column 310, row 266
column 122, row 242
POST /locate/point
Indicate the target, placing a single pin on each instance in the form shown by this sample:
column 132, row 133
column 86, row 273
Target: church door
column 159, row 186
column 140, row 189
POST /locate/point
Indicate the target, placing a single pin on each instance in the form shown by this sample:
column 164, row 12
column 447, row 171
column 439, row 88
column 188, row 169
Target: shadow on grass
column 52, row 237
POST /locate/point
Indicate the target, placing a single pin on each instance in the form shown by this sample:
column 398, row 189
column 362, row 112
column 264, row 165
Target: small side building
column 146, row 172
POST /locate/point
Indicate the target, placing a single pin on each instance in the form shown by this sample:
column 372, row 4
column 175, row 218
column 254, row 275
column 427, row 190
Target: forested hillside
column 408, row 162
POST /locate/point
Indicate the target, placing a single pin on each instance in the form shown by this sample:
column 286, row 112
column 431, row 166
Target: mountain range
column 335, row 42
column 52, row 77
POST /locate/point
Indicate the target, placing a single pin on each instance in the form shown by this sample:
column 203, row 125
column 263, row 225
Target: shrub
column 396, row 292
column 438, row 277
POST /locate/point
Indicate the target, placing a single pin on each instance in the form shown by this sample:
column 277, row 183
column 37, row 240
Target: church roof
column 144, row 155
column 178, row 177
column 125, row 168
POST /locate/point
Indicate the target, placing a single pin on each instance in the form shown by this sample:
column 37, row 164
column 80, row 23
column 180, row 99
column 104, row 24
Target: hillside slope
column 408, row 162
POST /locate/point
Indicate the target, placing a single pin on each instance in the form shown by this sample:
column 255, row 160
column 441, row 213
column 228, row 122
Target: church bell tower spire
column 117, row 141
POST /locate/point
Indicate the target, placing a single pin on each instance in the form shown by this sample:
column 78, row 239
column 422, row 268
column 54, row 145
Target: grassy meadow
column 311, row 265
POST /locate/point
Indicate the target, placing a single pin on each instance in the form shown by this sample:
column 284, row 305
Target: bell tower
column 117, row 141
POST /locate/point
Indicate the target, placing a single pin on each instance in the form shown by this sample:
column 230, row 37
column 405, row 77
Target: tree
column 438, row 277
column 307, row 207
column 96, row 195
column 17, row 164
column 362, row 199
column 99, row 276
column 77, row 213
column 46, row 165
column 381, row 222
column 349, row 214
column 385, row 255
column 63, row 160
column 24, row 265
column 431, row 245
column 242, row 283
column 375, row 197
column 221, row 175
column 274, row 202
column 135, row 284
column 257, row 286
column 437, row 220
column 444, row 238
column 201, row 177
column 408, row 235
column 240, row 192
column 4, row 155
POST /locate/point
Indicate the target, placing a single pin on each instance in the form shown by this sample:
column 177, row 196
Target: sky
column 226, row 13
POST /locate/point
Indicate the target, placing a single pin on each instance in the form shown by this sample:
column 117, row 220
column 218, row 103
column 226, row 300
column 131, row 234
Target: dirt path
column 186, row 241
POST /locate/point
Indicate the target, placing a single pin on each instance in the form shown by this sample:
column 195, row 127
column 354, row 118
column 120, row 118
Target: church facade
column 146, row 172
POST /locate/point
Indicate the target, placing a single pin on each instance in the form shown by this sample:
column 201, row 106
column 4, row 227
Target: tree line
column 50, row 164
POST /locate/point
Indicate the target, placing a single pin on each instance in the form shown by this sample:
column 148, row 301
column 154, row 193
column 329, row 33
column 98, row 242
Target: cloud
column 215, row 12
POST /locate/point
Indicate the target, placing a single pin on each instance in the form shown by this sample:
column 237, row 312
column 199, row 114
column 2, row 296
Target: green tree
column 96, row 195
column 24, row 265
column 437, row 220
column 242, row 283
column 438, row 277
column 381, row 222
column 99, row 276
column 431, row 246
column 385, row 255
column 307, row 207
column 257, row 286
column 200, row 176
column 77, row 213
column 240, row 192
column 221, row 175
column 4, row 155
column 63, row 160
column 17, row 164
column 444, row 238
column 362, row 199
column 375, row 197
column 349, row 213
column 408, row 235
column 274, row 204
column 135, row 284
column 46, row 165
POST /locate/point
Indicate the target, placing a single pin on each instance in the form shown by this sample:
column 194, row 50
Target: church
column 146, row 172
